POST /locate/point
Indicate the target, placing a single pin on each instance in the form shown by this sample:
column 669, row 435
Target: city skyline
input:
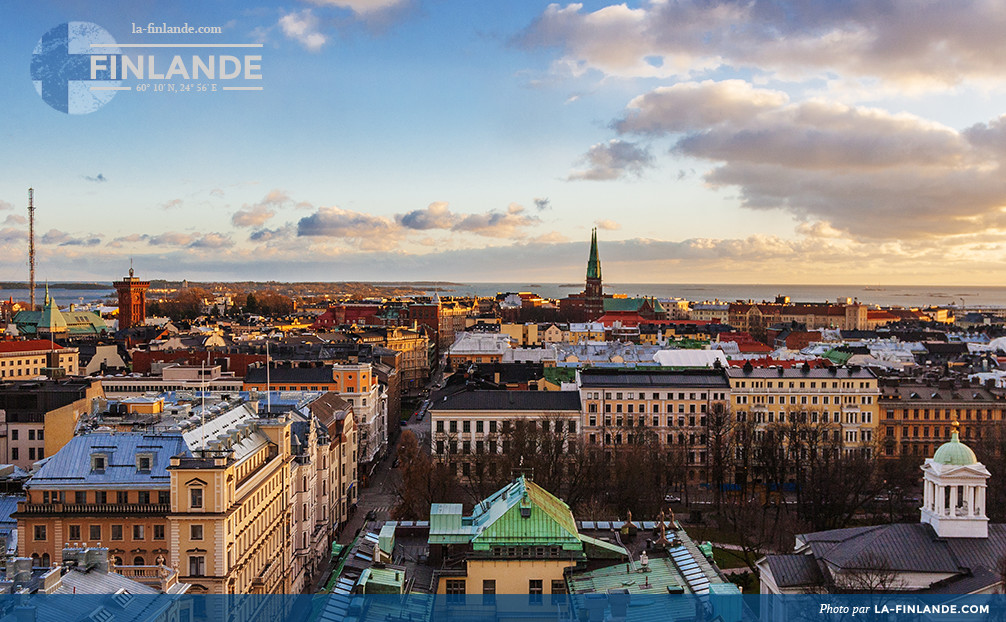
column 411, row 140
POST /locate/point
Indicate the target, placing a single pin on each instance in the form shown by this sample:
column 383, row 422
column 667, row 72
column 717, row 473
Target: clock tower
column 132, row 300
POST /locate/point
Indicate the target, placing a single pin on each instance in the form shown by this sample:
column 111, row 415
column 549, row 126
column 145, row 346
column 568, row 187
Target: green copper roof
column 593, row 263
column 526, row 515
column 955, row 452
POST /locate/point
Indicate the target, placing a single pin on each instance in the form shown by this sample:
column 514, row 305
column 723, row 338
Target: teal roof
column 594, row 262
column 955, row 452
column 631, row 304
column 520, row 514
column 50, row 318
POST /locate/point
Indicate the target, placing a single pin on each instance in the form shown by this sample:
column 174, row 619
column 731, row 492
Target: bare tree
column 873, row 574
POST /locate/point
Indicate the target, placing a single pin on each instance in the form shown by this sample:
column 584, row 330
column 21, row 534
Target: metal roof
column 699, row 378
column 70, row 467
column 510, row 400
column 794, row 570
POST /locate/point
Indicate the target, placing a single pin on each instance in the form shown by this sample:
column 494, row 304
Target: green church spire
column 594, row 263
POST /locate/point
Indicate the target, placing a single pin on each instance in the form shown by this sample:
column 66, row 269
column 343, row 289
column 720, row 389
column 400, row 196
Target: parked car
column 672, row 499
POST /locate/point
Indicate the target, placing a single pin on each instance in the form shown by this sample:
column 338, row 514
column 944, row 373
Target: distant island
column 56, row 285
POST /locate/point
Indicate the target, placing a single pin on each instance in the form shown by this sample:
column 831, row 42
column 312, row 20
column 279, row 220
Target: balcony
column 95, row 509
column 157, row 577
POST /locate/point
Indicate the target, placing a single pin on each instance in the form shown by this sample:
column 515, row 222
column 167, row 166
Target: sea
column 882, row 295
column 885, row 295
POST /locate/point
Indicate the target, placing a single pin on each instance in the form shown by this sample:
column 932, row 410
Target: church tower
column 954, row 487
column 593, row 294
column 132, row 301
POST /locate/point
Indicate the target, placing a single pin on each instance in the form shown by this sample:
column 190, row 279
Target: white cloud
column 904, row 41
column 302, row 27
column 362, row 7
column 608, row 225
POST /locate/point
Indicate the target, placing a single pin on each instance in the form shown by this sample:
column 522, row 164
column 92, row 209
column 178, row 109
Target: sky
column 802, row 141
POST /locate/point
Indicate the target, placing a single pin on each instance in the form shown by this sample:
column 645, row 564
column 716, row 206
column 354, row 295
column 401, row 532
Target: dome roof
column 955, row 452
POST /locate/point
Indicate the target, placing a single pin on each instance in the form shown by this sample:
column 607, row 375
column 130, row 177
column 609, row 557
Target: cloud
column 897, row 41
column 362, row 7
column 6, row 205
column 10, row 235
column 615, row 159
column 696, row 105
column 257, row 214
column 62, row 238
column 497, row 224
column 302, row 27
column 434, row 216
column 171, row 238
column 268, row 235
column 863, row 171
column 211, row 241
column 362, row 230
column 217, row 192
column 173, row 203
column 99, row 178
column 15, row 219
column 608, row 225
column 542, row 204
column 552, row 237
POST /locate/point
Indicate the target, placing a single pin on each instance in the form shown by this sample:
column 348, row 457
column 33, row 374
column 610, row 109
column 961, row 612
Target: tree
column 872, row 574
column 422, row 481
column 251, row 304
column 719, row 447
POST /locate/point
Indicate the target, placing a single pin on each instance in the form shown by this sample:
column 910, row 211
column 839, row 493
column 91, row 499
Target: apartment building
column 669, row 406
column 917, row 416
column 477, row 422
column 357, row 383
column 843, row 402
column 21, row 360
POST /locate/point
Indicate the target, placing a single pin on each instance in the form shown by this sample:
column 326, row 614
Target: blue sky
column 811, row 141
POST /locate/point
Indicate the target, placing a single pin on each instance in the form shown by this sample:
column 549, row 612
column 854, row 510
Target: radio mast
column 31, row 247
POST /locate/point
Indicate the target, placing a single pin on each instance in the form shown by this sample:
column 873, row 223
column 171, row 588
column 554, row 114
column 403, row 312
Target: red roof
column 32, row 345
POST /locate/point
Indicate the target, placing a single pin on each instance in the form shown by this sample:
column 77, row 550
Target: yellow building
column 843, row 402
column 36, row 357
column 520, row 540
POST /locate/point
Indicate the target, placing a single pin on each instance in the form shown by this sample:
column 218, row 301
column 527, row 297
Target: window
column 40, row 532
column 13, row 453
column 94, row 533
column 74, row 533
column 117, row 532
column 489, row 586
column 197, row 565
column 31, row 453
column 558, row 586
column 164, row 497
column 440, row 426
column 143, row 462
column 13, row 434
column 455, row 587
column 121, row 497
column 98, row 462
column 143, row 497
column 196, row 499
column 79, row 497
column 534, row 588
column 466, row 426
column 31, row 435
column 158, row 532
column 139, row 533
column 100, row 497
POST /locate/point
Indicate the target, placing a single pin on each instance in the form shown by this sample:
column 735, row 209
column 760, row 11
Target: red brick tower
column 132, row 301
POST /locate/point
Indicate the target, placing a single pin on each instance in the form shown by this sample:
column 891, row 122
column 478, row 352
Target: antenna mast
column 31, row 247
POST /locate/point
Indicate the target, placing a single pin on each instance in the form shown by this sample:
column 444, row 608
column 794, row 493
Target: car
column 672, row 499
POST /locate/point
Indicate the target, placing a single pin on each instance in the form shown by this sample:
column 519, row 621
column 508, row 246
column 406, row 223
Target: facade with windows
column 473, row 423
column 916, row 417
column 839, row 404
column 111, row 489
column 670, row 407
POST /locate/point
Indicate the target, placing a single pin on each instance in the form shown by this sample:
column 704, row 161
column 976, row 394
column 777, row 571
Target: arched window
column 34, row 560
column 45, row 560
column 118, row 560
column 138, row 561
